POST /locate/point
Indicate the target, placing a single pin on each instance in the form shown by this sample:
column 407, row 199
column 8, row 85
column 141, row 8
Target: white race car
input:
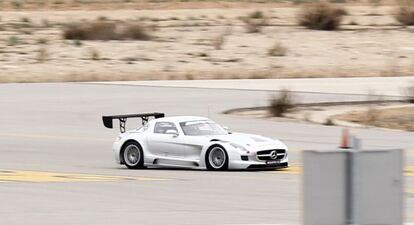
column 192, row 142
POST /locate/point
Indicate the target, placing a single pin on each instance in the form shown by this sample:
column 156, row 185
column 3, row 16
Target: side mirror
column 227, row 129
column 172, row 132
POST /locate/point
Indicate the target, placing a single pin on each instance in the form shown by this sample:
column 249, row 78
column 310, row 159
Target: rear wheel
column 133, row 156
column 217, row 159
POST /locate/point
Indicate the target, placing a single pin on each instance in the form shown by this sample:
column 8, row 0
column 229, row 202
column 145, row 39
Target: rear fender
column 139, row 138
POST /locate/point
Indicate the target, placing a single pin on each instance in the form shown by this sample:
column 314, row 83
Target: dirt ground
column 398, row 116
column 393, row 118
column 185, row 45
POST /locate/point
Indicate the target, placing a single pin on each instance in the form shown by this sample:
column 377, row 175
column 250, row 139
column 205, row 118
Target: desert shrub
column 281, row 103
column 321, row 16
column 58, row 2
column 371, row 116
column 410, row 93
column 189, row 76
column 25, row 20
column 405, row 15
column 75, row 31
column 218, row 41
column 94, row 54
column 42, row 55
column 135, row 32
column 297, row 2
column 329, row 122
column 42, row 41
column 257, row 75
column 253, row 22
column 102, row 30
column 256, row 15
column 278, row 50
column 77, row 43
column 90, row 31
column 13, row 40
column 252, row 27
column 353, row 23
column 46, row 23
column 103, row 18
column 17, row 3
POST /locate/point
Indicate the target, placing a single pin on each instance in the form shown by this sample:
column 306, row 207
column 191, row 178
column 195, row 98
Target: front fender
column 231, row 152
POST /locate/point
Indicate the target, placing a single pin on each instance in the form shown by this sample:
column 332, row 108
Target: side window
column 162, row 127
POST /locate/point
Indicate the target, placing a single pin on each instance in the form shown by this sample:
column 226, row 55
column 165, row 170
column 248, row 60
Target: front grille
column 266, row 155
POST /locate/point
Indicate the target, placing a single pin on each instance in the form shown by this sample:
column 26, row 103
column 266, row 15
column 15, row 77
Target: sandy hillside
column 202, row 44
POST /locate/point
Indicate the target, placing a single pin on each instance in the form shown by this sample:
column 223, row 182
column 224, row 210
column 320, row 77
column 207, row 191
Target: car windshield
column 203, row 127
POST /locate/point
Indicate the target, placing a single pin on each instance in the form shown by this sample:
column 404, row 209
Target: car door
column 194, row 147
column 164, row 144
column 196, row 137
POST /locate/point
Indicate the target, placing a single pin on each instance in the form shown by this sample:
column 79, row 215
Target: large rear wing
column 108, row 120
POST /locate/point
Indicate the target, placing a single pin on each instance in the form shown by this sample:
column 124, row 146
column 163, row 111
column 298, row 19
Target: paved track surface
column 57, row 167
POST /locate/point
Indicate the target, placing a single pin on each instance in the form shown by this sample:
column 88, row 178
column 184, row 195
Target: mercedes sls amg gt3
column 192, row 142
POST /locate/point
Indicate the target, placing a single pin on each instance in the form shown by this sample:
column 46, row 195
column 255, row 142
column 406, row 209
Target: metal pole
column 350, row 180
column 349, row 188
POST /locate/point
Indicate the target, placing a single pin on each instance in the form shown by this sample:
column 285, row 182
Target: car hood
column 250, row 141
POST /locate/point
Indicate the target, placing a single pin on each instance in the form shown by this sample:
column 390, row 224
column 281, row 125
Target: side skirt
column 175, row 163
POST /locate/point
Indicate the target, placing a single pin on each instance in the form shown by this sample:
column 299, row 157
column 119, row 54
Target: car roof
column 179, row 119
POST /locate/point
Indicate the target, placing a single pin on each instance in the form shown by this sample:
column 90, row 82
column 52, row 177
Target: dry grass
column 104, row 30
column 394, row 118
column 405, row 12
column 321, row 16
column 281, row 103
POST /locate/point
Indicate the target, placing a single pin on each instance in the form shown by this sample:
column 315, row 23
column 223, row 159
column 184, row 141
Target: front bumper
column 269, row 166
column 252, row 162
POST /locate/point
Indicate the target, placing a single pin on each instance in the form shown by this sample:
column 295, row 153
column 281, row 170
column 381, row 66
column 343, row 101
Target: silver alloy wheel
column 217, row 157
column 132, row 155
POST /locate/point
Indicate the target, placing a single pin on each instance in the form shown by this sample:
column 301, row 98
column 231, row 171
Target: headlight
column 240, row 148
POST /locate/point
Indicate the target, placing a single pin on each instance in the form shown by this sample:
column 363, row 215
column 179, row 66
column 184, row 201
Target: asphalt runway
column 57, row 166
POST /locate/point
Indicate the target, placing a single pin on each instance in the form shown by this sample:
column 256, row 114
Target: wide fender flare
column 137, row 137
column 229, row 149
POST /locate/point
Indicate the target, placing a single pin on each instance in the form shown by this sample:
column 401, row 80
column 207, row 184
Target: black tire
column 132, row 155
column 217, row 158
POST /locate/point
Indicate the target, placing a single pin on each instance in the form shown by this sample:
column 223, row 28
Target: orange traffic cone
column 345, row 139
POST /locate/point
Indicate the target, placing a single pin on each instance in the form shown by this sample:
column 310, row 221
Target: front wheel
column 217, row 159
column 133, row 156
